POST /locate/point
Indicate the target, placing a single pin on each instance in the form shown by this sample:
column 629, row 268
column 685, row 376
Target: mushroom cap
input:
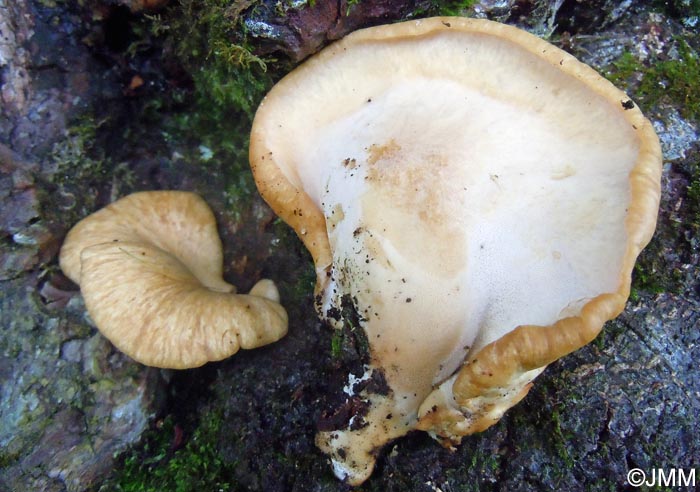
column 179, row 222
column 151, row 307
column 478, row 193
column 150, row 267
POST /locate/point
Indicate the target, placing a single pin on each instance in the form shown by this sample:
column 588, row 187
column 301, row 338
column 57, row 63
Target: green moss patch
column 674, row 81
column 452, row 7
column 159, row 465
column 202, row 85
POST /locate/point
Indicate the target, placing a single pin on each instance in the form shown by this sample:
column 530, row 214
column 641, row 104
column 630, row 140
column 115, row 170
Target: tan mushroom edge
column 290, row 203
column 500, row 374
column 150, row 269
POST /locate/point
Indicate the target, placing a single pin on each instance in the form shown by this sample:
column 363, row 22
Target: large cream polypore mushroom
column 150, row 268
column 479, row 195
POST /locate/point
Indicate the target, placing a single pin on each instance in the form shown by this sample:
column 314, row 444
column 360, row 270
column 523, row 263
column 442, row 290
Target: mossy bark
column 168, row 104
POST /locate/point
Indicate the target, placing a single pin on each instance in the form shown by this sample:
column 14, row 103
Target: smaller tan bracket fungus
column 477, row 195
column 150, row 268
